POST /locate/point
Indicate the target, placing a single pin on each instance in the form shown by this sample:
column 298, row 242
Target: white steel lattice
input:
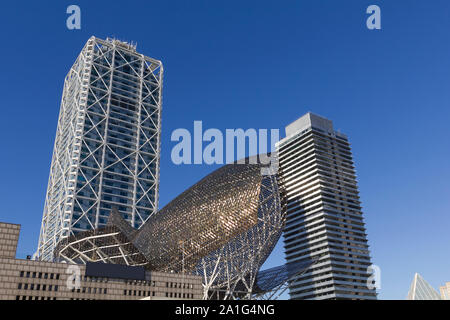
column 107, row 143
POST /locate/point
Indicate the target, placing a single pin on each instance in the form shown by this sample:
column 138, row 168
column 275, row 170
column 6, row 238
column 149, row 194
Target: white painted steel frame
column 72, row 135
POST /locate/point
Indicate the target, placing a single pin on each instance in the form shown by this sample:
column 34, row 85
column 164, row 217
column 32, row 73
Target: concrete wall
column 9, row 237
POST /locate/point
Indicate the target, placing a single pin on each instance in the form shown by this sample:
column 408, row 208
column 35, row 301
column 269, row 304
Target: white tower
column 107, row 144
column 323, row 212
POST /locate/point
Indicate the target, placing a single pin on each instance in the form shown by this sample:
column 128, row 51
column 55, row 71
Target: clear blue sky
column 258, row 64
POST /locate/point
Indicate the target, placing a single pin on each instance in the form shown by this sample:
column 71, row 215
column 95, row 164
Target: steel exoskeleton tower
column 107, row 144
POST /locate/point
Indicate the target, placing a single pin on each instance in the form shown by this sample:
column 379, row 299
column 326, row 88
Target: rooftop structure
column 421, row 290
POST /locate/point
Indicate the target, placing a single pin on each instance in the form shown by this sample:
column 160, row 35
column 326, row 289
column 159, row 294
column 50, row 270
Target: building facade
column 324, row 218
column 107, row 143
column 445, row 291
column 42, row 280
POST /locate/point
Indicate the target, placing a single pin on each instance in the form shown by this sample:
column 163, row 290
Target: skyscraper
column 324, row 218
column 107, row 144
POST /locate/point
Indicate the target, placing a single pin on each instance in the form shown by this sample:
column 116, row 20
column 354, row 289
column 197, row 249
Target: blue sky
column 258, row 64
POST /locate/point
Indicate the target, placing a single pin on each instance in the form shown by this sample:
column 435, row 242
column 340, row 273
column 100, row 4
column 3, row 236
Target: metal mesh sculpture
column 109, row 244
column 230, row 271
column 223, row 228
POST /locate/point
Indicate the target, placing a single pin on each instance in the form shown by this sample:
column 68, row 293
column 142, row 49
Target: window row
column 179, row 285
column 39, row 275
column 38, row 287
column 34, row 298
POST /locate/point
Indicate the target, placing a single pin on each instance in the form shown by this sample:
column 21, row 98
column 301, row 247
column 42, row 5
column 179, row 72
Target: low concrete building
column 38, row 280
column 445, row 291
